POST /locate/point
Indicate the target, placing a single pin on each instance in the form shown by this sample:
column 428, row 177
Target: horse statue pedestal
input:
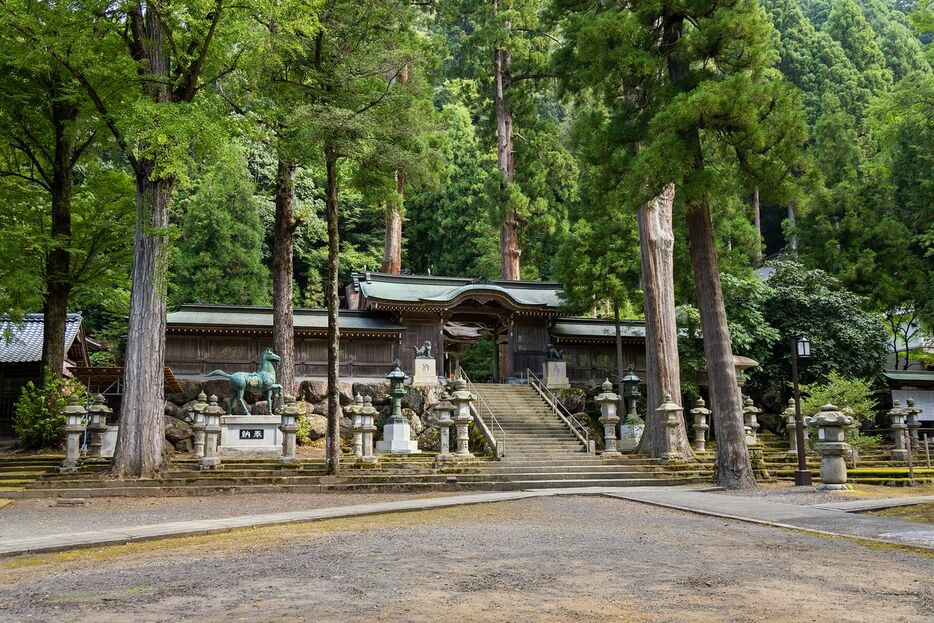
column 251, row 435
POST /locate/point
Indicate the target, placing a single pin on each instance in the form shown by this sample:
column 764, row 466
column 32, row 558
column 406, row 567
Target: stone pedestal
column 669, row 411
column 897, row 416
column 109, row 441
column 197, row 425
column 397, row 434
column 444, row 409
column 426, row 372
column 791, row 428
column 461, row 399
column 700, row 413
column 630, row 433
column 250, row 435
column 289, row 426
column 751, row 417
column 831, row 447
column 97, row 425
column 555, row 375
column 212, row 428
column 367, row 418
column 609, row 402
column 74, row 426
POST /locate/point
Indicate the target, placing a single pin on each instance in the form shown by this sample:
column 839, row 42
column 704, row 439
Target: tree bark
column 283, row 326
column 58, row 259
column 333, row 301
column 392, row 249
column 793, row 238
column 734, row 470
column 619, row 349
column 509, row 250
column 663, row 372
column 141, row 438
column 757, row 220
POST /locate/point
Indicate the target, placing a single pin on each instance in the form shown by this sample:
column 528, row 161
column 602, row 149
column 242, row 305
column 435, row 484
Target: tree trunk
column 283, row 326
column 333, row 301
column 58, row 259
column 757, row 220
column 392, row 249
column 663, row 373
column 509, row 250
column 734, row 470
column 793, row 238
column 141, row 438
column 619, row 349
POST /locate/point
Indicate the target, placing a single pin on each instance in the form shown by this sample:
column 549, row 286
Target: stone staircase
column 19, row 471
column 542, row 451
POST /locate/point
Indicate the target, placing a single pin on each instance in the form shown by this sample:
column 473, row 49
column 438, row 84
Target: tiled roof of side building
column 413, row 289
column 261, row 317
column 22, row 342
column 596, row 328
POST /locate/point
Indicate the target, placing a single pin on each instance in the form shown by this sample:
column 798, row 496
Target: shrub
column 40, row 412
column 851, row 396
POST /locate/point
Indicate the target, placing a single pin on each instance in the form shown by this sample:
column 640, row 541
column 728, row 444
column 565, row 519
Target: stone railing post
column 97, row 425
column 353, row 410
column 609, row 402
column 669, row 411
column 913, row 421
column 751, row 416
column 791, row 428
column 197, row 425
column 700, row 413
column 897, row 417
column 367, row 419
column 289, row 426
column 831, row 446
column 444, row 409
column 74, row 426
column 461, row 399
column 212, row 428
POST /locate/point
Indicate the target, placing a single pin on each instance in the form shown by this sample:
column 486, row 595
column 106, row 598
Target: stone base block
column 397, row 439
column 426, row 372
column 250, row 435
column 556, row 375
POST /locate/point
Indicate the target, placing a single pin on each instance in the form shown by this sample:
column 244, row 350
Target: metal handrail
column 582, row 432
column 499, row 449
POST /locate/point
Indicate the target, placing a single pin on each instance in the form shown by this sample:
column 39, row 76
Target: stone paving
column 755, row 510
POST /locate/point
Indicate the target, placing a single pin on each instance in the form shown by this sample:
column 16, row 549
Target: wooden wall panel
column 417, row 332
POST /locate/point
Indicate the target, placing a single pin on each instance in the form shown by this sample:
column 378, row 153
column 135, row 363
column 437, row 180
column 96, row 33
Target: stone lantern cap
column 668, row 406
column 368, row 408
column 289, row 407
column 74, row 411
column 99, row 406
column 608, row 394
column 213, row 408
column 202, row 402
column 460, row 393
column 396, row 375
column 444, row 407
column 830, row 416
column 355, row 407
column 750, row 407
column 700, row 408
column 790, row 409
column 897, row 410
column 911, row 408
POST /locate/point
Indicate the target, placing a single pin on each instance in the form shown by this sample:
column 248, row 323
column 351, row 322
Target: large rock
column 315, row 390
column 318, row 426
column 346, row 427
column 573, row 398
column 171, row 409
column 190, row 389
column 415, row 422
column 322, row 409
column 178, row 433
column 420, row 398
column 378, row 391
column 217, row 387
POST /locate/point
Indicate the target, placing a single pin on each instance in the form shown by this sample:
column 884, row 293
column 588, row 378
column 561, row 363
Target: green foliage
column 303, row 434
column 219, row 255
column 477, row 360
column 852, row 396
column 39, row 421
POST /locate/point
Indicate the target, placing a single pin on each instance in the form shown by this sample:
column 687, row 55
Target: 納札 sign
column 251, row 433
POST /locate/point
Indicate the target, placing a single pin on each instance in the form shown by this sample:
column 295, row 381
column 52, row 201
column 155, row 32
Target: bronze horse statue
column 263, row 381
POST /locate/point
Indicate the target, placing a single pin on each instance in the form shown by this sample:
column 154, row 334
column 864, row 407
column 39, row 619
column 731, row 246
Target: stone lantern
column 74, row 426
column 289, row 426
column 608, row 401
column 897, row 416
column 914, row 423
column 751, row 416
column 791, row 427
column 700, row 412
column 353, row 410
column 444, row 409
column 197, row 424
column 97, row 425
column 630, row 429
column 397, row 434
column 212, row 428
column 367, row 418
column 669, row 411
column 461, row 398
column 831, row 446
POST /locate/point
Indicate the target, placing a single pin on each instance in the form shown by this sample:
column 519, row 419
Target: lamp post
column 630, row 389
column 800, row 347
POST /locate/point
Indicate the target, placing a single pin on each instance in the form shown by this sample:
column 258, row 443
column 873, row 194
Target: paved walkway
column 859, row 506
column 705, row 502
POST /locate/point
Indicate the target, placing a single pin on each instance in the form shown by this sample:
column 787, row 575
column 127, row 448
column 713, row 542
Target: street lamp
column 630, row 388
column 800, row 347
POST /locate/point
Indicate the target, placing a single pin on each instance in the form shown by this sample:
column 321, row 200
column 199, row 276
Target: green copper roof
column 261, row 317
column 595, row 328
column 413, row 289
column 910, row 376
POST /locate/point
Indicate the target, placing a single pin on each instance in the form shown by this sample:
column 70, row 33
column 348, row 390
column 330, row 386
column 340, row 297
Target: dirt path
column 544, row 559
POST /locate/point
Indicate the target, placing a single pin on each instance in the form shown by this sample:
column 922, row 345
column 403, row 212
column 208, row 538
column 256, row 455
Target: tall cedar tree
column 682, row 80
column 160, row 59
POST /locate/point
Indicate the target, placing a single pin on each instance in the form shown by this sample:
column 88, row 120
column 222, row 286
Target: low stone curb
column 860, row 506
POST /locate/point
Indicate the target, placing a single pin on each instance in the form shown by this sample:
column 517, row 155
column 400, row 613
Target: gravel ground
column 39, row 517
column 546, row 559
